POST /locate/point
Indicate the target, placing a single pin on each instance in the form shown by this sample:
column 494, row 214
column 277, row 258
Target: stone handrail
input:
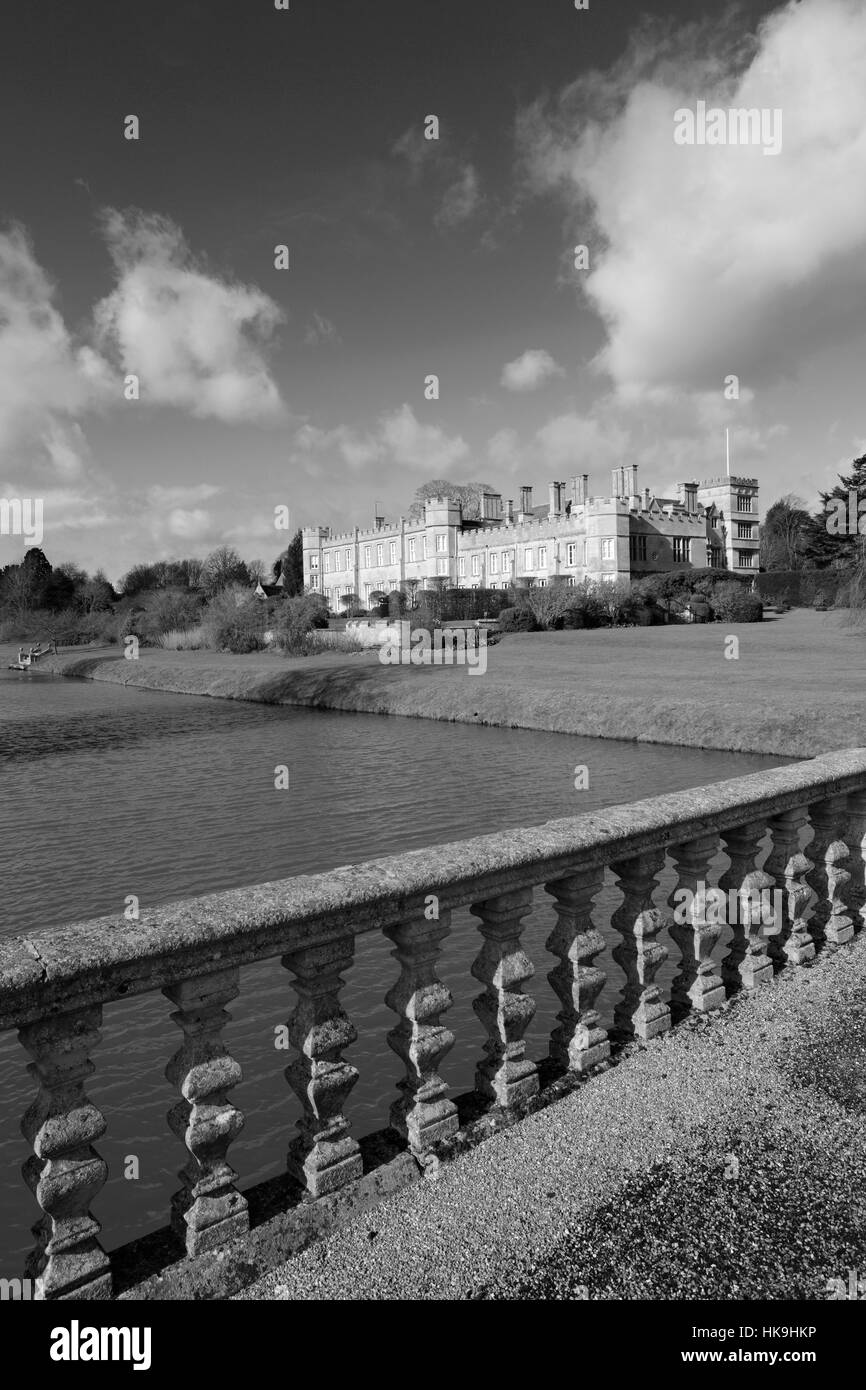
column 53, row 984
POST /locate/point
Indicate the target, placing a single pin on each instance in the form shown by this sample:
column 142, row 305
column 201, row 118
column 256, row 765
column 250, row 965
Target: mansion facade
column 628, row 534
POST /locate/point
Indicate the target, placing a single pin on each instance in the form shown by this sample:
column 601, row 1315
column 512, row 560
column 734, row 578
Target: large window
column 746, row 558
column 348, row 559
column 744, row 502
column 327, row 562
column 570, row 554
column 461, row 567
column 527, row 558
column 637, row 547
column 607, row 550
column 494, row 563
column 506, row 561
column 368, row 556
column 476, row 565
column 441, row 543
column 681, row 549
column 442, row 565
column 392, row 552
column 412, row 548
column 314, row 561
column 338, row 557
column 380, row 554
column 744, row 530
column 542, row 557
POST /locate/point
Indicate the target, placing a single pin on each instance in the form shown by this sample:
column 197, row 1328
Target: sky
column 307, row 387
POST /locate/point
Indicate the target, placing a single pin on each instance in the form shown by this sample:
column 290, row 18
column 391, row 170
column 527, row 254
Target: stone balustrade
column 53, row 984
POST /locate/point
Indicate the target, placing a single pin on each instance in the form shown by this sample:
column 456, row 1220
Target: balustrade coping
column 107, row 958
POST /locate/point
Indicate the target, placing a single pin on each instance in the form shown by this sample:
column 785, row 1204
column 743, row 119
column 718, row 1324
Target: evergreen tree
column 829, row 542
column 291, row 566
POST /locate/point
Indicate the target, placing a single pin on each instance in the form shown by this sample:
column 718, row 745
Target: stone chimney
column 634, row 487
column 646, row 499
column 580, row 489
column 525, row 501
column 555, row 503
column 690, row 497
column 510, row 511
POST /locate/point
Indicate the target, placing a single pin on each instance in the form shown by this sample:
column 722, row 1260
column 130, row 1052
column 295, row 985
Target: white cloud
column 461, row 200
column 46, row 379
column 530, row 370
column 426, row 448
column 189, row 524
column 398, row 438
column 194, row 340
column 709, row 260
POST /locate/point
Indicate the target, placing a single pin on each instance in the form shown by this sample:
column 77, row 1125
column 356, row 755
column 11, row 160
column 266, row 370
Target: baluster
column 65, row 1173
column 856, row 841
column 507, row 1074
column 641, row 1010
column 578, row 1043
column 788, row 865
column 747, row 964
column 829, row 877
column 208, row 1211
column 423, row 1114
column 697, row 986
column 324, row 1156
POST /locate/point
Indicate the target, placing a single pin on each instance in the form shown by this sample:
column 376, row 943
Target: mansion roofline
column 576, row 536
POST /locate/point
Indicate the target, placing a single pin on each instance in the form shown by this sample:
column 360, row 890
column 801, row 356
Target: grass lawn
column 798, row 687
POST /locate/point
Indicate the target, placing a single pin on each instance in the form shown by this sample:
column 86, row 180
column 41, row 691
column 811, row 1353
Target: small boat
column 23, row 662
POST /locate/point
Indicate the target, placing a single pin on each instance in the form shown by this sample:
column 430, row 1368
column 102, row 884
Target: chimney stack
column 510, row 511
column 580, row 489
column 553, row 494
column 525, row 501
column 646, row 499
column 690, row 495
column 634, row 488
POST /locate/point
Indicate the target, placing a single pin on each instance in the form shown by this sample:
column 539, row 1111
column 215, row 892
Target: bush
column 617, row 601
column 517, row 620
column 572, row 619
column 588, row 600
column 233, row 621
column 799, row 588
column 189, row 639
column 732, row 603
column 294, row 620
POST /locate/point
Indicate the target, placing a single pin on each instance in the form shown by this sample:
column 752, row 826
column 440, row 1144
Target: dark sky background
column 306, row 386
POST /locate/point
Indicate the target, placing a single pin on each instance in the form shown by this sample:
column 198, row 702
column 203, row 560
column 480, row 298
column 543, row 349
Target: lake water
column 106, row 791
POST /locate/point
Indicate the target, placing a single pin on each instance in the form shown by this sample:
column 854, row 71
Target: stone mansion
column 625, row 535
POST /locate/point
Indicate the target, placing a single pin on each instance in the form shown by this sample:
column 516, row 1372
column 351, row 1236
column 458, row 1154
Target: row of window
column 501, row 562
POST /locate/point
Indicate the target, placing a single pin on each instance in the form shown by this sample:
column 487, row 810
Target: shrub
column 732, row 603
column 517, row 620
column 587, row 600
column 189, row 639
column 572, row 618
column 233, row 621
column 296, row 617
column 617, row 601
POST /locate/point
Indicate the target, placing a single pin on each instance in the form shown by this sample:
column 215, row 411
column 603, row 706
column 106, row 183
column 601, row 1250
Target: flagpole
column 728, row 451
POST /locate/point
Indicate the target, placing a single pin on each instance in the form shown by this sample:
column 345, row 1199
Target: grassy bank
column 798, row 687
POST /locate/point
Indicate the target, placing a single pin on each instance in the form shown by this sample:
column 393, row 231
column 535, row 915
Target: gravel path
column 726, row 1160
